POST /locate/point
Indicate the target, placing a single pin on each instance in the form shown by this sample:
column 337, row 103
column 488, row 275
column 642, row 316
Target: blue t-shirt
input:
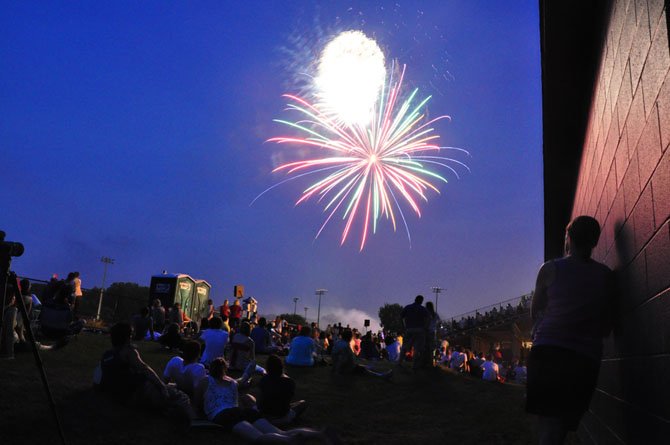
column 261, row 338
column 300, row 353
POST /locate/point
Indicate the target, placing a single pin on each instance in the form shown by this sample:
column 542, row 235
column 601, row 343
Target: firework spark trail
column 370, row 163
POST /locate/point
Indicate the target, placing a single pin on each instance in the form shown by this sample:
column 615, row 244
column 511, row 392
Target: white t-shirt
column 490, row 371
column 186, row 377
column 215, row 343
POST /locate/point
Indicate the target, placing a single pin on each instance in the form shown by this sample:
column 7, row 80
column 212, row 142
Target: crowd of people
column 197, row 383
column 492, row 316
column 57, row 311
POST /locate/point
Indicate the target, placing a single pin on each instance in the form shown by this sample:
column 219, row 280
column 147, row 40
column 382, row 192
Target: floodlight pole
column 436, row 291
column 295, row 304
column 107, row 261
column 306, row 313
column 320, row 293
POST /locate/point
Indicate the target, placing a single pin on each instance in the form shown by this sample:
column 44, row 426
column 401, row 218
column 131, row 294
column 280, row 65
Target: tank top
column 578, row 307
column 219, row 397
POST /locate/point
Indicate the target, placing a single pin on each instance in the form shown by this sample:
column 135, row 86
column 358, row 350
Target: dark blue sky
column 137, row 130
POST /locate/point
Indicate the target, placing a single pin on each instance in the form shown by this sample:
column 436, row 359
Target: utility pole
column 320, row 293
column 295, row 304
column 107, row 261
column 306, row 313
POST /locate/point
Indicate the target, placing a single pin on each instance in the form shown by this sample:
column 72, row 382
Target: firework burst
column 366, row 171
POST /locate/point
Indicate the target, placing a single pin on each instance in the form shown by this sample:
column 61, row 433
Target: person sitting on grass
column 345, row 361
column 458, row 360
column 261, row 337
column 302, row 349
column 276, row 391
column 185, row 371
column 369, row 350
column 172, row 338
column 393, row 348
column 217, row 397
column 125, row 377
column 143, row 325
column 490, row 369
column 216, row 339
column 243, row 350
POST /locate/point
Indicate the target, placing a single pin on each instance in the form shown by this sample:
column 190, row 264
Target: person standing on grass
column 415, row 318
column 573, row 308
column 77, row 294
column 235, row 315
column 431, row 334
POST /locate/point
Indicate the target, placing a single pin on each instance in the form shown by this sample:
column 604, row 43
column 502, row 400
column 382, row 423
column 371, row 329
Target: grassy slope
column 434, row 407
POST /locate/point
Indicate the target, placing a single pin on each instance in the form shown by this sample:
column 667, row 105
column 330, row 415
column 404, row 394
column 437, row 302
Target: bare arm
column 133, row 358
column 545, row 277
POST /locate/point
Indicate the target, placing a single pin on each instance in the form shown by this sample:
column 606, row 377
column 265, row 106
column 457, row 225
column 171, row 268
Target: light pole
column 436, row 291
column 295, row 304
column 306, row 313
column 320, row 293
column 107, row 261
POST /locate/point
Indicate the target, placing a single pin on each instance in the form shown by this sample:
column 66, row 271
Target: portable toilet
column 202, row 292
column 171, row 289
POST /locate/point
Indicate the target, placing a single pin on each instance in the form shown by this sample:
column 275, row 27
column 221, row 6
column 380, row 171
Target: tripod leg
column 38, row 360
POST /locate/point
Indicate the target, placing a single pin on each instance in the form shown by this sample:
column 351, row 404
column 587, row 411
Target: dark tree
column 389, row 315
column 294, row 319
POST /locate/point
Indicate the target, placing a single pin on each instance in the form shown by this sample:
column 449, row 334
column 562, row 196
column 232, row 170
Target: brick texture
column 624, row 180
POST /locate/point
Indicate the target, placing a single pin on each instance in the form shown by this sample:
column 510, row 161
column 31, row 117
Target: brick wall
column 624, row 181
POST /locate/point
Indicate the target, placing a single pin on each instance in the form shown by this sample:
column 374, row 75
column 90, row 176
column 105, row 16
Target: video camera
column 9, row 248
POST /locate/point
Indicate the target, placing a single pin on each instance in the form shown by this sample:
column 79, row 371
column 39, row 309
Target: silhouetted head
column 274, row 366
column 218, row 368
column 120, row 334
column 305, row 331
column 215, row 323
column 245, row 329
column 581, row 236
column 430, row 308
column 347, row 335
column 262, row 322
column 419, row 299
column 25, row 286
column 190, row 350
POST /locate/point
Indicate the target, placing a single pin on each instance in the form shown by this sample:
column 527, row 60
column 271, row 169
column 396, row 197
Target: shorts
column 230, row 417
column 560, row 383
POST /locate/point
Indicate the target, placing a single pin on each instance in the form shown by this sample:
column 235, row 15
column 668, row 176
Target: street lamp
column 320, row 293
column 306, row 313
column 107, row 261
column 295, row 304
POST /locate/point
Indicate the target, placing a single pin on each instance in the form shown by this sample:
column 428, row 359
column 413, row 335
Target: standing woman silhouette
column 573, row 308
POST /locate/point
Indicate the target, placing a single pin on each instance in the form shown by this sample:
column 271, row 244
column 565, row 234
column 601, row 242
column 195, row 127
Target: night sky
column 137, row 130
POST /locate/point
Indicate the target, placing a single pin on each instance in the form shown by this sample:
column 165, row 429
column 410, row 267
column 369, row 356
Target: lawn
column 435, row 406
